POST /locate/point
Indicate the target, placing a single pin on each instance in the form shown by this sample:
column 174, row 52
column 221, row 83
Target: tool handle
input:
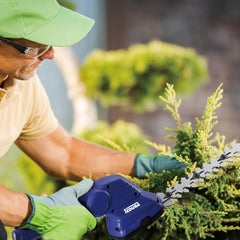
column 25, row 234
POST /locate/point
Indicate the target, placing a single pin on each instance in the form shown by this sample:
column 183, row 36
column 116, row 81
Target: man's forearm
column 98, row 160
column 64, row 156
column 15, row 207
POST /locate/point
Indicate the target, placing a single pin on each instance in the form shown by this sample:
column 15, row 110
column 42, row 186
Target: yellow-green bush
column 121, row 135
column 134, row 78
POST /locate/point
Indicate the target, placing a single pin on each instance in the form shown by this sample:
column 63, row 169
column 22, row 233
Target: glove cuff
column 32, row 214
column 143, row 164
column 38, row 221
column 156, row 164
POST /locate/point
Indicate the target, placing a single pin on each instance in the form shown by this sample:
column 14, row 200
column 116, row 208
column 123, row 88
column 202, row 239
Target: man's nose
column 49, row 54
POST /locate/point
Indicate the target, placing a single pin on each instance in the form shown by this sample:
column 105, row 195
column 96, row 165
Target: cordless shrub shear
column 130, row 210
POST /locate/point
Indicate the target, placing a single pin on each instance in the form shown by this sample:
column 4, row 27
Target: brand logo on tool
column 131, row 207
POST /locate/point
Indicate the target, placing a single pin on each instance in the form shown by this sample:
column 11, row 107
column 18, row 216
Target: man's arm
column 64, row 156
column 15, row 207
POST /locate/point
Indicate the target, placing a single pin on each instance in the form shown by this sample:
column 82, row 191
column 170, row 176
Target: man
column 28, row 30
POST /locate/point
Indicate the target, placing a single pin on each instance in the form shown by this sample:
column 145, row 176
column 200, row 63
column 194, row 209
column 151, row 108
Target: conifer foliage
column 212, row 210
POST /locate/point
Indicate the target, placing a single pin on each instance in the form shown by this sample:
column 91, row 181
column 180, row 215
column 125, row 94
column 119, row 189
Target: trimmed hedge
column 134, row 78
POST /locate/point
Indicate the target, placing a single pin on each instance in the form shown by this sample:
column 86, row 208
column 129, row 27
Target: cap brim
column 66, row 29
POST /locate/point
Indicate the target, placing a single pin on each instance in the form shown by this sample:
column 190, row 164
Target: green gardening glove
column 155, row 164
column 60, row 215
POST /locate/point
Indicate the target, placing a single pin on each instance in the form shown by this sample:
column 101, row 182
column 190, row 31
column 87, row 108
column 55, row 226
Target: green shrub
column 121, row 135
column 134, row 78
column 212, row 210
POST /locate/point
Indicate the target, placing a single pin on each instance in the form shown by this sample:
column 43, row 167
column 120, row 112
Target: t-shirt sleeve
column 41, row 120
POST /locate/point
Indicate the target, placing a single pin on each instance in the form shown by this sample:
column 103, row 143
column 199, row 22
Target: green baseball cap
column 42, row 21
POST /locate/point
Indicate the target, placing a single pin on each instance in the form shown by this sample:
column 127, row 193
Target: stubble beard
column 24, row 74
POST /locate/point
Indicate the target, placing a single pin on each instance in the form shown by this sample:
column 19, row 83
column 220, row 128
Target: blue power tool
column 128, row 209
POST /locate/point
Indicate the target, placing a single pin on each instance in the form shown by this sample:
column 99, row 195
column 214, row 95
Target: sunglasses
column 29, row 52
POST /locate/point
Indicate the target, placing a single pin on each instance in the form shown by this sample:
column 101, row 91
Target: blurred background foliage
column 120, row 135
column 135, row 77
column 36, row 180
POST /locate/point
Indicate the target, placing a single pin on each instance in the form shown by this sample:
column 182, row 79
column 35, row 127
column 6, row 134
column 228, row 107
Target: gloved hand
column 60, row 215
column 155, row 164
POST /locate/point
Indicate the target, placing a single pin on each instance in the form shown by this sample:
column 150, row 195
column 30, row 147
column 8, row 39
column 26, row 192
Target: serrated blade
column 199, row 175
